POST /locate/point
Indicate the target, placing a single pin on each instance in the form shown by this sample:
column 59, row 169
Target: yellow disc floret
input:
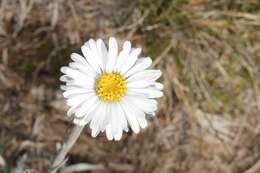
column 110, row 87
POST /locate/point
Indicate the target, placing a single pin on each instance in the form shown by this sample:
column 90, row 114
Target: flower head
column 110, row 90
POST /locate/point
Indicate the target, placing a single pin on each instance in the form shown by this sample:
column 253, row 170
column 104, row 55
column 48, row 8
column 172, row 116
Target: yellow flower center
column 110, row 87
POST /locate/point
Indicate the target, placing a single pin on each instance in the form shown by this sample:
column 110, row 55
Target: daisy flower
column 110, row 90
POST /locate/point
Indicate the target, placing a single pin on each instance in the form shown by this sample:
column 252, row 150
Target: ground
column 208, row 51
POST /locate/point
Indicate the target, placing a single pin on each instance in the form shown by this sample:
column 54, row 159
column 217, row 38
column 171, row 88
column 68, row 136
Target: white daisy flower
column 110, row 90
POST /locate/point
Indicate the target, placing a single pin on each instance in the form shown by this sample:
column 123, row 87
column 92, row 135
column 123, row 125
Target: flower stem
column 66, row 146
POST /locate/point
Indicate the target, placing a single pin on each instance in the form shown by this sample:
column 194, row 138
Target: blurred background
column 208, row 50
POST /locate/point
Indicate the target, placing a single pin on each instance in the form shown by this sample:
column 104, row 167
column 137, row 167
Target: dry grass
column 208, row 50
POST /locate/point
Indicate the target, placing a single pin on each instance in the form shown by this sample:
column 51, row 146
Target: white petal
column 127, row 45
column 69, row 87
column 138, row 84
column 85, row 107
column 118, row 134
column 132, row 92
column 107, row 118
column 72, row 111
column 126, row 129
column 158, row 85
column 154, row 93
column 73, row 92
column 101, row 122
column 144, row 104
column 65, row 78
column 86, row 69
column 115, row 123
column 109, row 132
column 123, row 56
column 141, row 64
column 131, row 60
column 63, row 87
column 149, row 92
column 151, row 113
column 142, row 121
column 75, row 74
column 148, row 75
column 138, row 113
column 76, row 100
column 130, row 117
column 78, row 58
column 102, row 50
column 89, row 115
column 90, row 57
column 112, row 54
column 81, row 83
column 122, row 117
column 98, row 119
column 93, row 47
